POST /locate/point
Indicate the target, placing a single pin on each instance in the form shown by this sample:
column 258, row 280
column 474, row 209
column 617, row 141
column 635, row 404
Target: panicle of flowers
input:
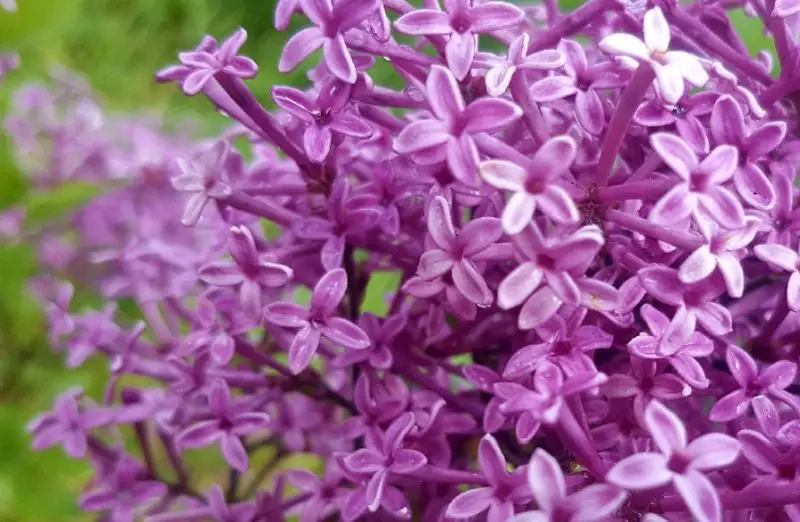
column 557, row 281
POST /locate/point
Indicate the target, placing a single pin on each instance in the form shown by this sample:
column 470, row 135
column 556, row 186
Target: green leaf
column 380, row 285
column 46, row 206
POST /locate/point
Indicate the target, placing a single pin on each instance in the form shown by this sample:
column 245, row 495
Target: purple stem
column 531, row 114
column 654, row 231
column 618, row 126
column 573, row 436
column 435, row 474
column 644, row 190
column 263, row 208
column 572, row 23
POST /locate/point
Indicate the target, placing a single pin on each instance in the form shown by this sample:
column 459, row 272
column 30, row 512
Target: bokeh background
column 117, row 45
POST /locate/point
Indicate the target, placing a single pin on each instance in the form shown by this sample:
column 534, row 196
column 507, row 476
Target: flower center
column 678, row 463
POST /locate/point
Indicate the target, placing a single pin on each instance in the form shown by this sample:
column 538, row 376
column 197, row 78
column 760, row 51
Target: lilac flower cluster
column 595, row 232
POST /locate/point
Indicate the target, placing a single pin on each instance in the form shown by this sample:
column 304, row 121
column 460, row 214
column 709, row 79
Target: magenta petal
column 286, row 314
column 759, row 451
column 343, row 332
column 552, row 88
column 365, row 461
column 299, row 47
column 462, row 158
column 444, row 96
column 490, row 114
column 596, row 502
column 421, row 135
column 471, row 284
column 434, row 263
column 491, row 16
column 329, row 292
column 339, row 60
column 407, row 461
column 538, row 308
column 470, row 503
column 640, row 471
column 317, row 141
column 712, row 451
column 546, row 480
column 234, row 452
column 303, row 348
column 754, row 187
column 665, row 427
column 460, row 51
column 729, row 407
column 700, row 496
column 424, row 22
column 199, row 435
column 375, row 488
column 492, row 461
column 741, row 365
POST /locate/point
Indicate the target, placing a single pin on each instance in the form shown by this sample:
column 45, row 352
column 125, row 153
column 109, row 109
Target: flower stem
column 448, row 476
column 618, row 126
column 577, row 441
column 531, row 115
column 263, row 208
column 644, row 190
column 571, row 24
column 654, row 231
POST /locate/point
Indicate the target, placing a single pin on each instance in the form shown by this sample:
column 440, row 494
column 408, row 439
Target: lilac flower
column 728, row 126
column 502, row 70
column 348, row 215
column 327, row 493
column 458, row 252
column 546, row 480
column 534, row 185
column 567, row 343
column 644, row 383
column 449, row 135
column 552, row 263
column 770, row 382
column 505, row 490
column 699, row 187
column 672, row 68
column 784, row 8
column 58, row 318
column 331, row 23
column 385, row 456
column 687, row 116
column 94, row 330
column 675, row 341
column 718, row 253
column 317, row 321
column 203, row 177
column 787, row 259
column 382, row 335
column 68, row 425
column 664, row 284
column 225, row 426
column 249, row 270
column 198, row 67
column 462, row 22
column 680, row 463
column 126, row 492
column 326, row 116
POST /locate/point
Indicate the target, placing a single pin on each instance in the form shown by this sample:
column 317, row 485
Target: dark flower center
column 534, row 185
column 678, row 463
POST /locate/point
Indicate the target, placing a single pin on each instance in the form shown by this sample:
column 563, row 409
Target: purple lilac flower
column 678, row 462
column 461, row 22
column 128, row 491
column 448, row 136
column 317, row 321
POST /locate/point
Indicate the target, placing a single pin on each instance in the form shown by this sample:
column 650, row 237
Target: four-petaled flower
column 535, row 185
column 229, row 421
column 127, row 490
column 249, row 270
column 317, row 321
column 457, row 252
column 329, row 113
column 505, row 490
column 675, row 341
column 205, row 178
column 331, row 23
column 502, row 70
column 198, row 67
column 678, row 463
column 68, row 425
column 771, row 383
column 462, row 22
column 700, row 183
column 449, row 135
column 671, row 67
column 384, row 455
column 546, row 479
column 551, row 262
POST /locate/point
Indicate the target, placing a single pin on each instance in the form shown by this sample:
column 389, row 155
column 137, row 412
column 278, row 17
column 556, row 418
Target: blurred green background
column 118, row 45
